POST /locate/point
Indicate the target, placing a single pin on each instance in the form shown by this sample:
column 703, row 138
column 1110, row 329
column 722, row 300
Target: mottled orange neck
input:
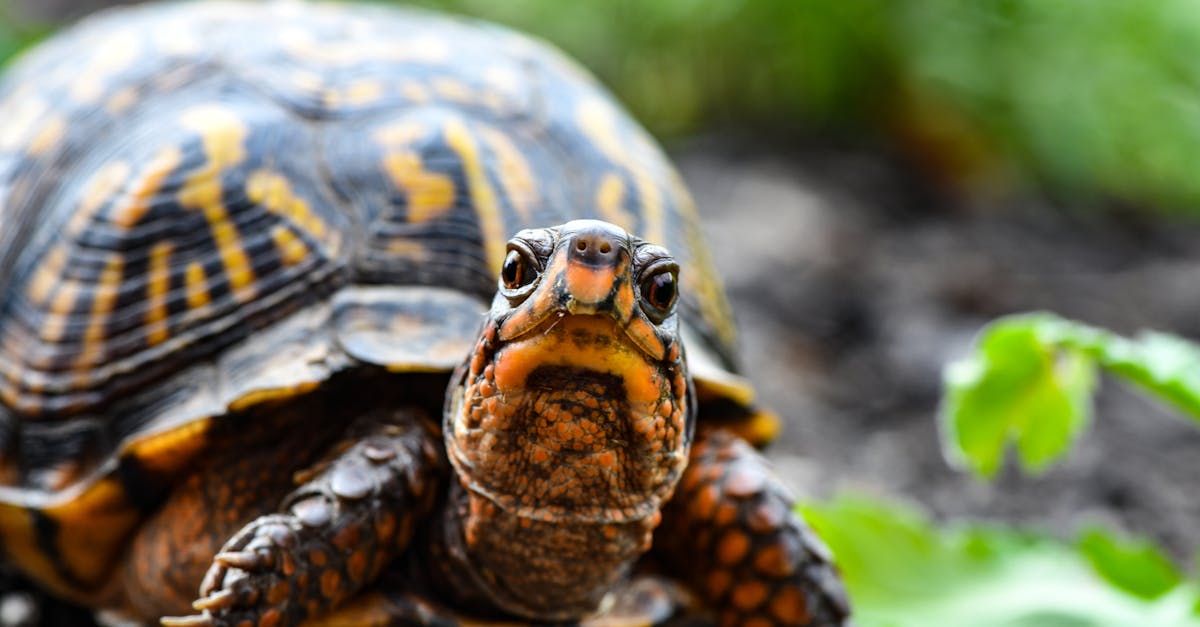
column 539, row 570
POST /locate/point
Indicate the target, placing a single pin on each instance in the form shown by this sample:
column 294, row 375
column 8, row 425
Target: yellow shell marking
column 515, row 174
column 306, row 80
column 196, row 286
column 60, row 310
column 158, row 285
column 398, row 134
column 453, row 90
column 363, row 92
column 20, row 116
column 99, row 189
column 598, row 121
column 47, row 275
column 113, row 55
column 104, row 300
column 414, row 92
column 47, row 136
column 408, row 248
column 301, row 45
column 21, row 547
column 430, row 194
column 224, row 135
column 91, row 529
column 149, row 183
column 482, row 197
column 273, row 192
column 610, row 200
column 121, row 100
column 292, row 249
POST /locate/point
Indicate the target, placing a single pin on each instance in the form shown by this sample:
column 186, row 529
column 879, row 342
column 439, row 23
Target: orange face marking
column 589, row 285
column 158, row 284
column 515, row 361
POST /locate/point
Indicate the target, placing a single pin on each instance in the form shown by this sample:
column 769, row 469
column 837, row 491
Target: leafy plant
column 901, row 571
column 1030, row 380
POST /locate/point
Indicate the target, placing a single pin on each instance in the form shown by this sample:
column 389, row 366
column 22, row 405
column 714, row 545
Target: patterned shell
column 178, row 181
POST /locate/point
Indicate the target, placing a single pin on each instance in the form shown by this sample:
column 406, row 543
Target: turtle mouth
column 571, row 421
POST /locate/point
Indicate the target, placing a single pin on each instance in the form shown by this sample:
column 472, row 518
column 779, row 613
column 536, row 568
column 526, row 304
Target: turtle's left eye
column 659, row 292
column 517, row 271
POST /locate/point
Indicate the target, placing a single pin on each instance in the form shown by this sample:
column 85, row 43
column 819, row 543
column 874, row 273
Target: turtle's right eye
column 518, row 271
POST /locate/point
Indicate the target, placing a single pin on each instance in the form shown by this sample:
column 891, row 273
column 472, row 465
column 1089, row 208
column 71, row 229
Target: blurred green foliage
column 1094, row 99
column 1029, row 382
column 901, row 571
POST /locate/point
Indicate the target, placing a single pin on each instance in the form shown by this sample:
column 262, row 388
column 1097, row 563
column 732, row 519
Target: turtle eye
column 659, row 292
column 517, row 271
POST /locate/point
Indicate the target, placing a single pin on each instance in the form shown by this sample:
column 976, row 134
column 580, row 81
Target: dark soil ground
column 853, row 288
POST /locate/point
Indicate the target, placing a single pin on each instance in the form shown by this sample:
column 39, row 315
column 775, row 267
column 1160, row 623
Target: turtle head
column 574, row 404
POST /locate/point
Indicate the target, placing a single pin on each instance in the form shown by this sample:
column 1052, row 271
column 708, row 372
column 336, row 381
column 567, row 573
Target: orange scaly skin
column 732, row 534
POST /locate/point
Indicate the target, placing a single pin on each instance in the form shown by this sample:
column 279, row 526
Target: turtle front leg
column 730, row 533
column 354, row 512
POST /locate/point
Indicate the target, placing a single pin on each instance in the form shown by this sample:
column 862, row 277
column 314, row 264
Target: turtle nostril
column 592, row 248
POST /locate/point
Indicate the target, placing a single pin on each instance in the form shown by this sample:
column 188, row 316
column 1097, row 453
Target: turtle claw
column 195, row 620
column 249, row 561
column 220, row 600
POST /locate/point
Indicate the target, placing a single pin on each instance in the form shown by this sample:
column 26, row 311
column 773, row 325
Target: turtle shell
column 205, row 207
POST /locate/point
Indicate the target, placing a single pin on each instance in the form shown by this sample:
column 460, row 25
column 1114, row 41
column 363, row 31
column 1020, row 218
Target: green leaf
column 1138, row 567
column 1015, row 388
column 1029, row 383
column 903, row 572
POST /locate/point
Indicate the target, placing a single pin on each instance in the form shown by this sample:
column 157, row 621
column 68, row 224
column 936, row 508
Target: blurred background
column 879, row 179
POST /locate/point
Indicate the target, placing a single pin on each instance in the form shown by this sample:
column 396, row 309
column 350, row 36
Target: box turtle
column 248, row 370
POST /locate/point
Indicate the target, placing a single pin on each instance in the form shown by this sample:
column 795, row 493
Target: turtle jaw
column 570, row 422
